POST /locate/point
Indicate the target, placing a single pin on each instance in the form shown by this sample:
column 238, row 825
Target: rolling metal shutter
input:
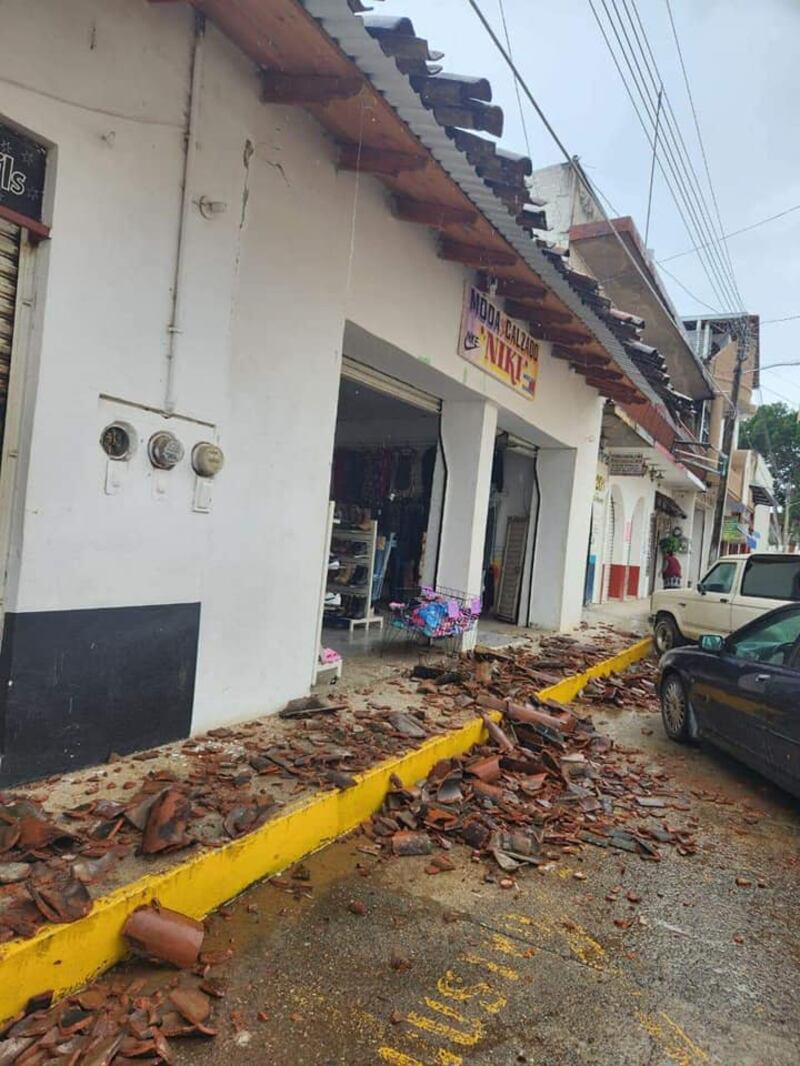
column 374, row 379
column 9, row 273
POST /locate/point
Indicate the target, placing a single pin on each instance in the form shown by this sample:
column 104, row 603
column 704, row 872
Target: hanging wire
column 516, row 84
column 571, row 160
column 672, row 162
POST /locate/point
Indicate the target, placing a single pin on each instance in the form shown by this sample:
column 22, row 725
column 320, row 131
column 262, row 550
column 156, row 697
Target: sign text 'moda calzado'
column 498, row 344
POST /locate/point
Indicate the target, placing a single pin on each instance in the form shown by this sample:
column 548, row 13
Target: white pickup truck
column 735, row 590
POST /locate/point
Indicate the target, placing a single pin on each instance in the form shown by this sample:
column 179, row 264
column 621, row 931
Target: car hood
column 668, row 595
column 680, row 658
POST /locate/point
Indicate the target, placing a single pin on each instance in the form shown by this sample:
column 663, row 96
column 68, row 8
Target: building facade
column 652, row 463
column 254, row 252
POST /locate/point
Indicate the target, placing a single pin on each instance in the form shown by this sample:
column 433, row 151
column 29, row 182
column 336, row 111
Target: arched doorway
column 635, row 549
column 614, row 557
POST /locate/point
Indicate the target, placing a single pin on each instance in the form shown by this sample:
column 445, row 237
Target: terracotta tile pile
column 634, row 690
column 557, row 657
column 46, row 863
column 121, row 1021
column 46, row 866
column 545, row 784
column 222, row 788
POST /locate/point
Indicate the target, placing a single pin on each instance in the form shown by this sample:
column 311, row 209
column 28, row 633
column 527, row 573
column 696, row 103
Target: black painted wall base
column 77, row 685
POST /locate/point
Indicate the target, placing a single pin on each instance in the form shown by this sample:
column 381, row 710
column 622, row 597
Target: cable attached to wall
column 174, row 329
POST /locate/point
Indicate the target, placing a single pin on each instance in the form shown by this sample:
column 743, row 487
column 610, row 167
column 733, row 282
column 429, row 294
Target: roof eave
column 351, row 35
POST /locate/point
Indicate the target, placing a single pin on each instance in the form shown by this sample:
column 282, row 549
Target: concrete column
column 566, row 484
column 438, row 486
column 761, row 514
column 468, row 433
column 686, row 500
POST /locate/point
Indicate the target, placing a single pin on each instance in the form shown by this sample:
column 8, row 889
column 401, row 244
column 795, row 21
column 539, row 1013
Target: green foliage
column 670, row 543
column 774, row 431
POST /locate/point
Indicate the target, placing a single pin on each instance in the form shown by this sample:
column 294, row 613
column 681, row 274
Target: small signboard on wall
column 23, row 163
column 626, row 466
column 497, row 344
column 732, row 531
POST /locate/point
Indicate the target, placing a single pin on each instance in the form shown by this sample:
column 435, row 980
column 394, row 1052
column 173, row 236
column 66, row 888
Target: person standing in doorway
column 671, row 571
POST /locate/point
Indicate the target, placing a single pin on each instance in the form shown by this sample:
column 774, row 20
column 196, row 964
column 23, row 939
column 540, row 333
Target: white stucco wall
column 270, row 286
column 634, row 501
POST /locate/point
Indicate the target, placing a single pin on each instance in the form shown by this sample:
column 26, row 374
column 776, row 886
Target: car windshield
column 768, row 640
column 719, row 578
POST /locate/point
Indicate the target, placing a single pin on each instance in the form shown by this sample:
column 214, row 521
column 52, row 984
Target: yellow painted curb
column 65, row 957
column 566, row 691
column 62, row 958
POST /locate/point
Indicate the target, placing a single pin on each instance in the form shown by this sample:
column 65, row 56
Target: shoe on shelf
column 344, row 573
column 333, row 599
column 333, row 564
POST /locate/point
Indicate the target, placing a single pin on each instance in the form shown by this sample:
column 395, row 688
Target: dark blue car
column 742, row 693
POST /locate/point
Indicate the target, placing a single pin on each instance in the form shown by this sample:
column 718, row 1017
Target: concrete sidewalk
column 196, row 880
column 630, row 615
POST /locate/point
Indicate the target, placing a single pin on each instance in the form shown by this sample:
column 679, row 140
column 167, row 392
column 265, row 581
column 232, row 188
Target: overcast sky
column 743, row 59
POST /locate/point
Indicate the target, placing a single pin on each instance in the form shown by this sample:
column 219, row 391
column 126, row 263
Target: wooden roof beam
column 528, row 309
column 379, row 160
column 589, row 358
column 518, row 290
column 476, row 255
column 302, row 89
column 614, row 390
column 600, row 373
column 435, row 215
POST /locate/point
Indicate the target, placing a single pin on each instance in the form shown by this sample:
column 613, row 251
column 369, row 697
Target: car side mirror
column 701, row 588
column 711, row 642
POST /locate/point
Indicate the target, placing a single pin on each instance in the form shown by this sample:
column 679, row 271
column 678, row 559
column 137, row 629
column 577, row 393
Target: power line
column 689, row 292
column 700, row 139
column 516, row 85
column 734, row 233
column 770, row 321
column 572, row 160
column 681, row 150
column 725, row 236
column 644, row 127
column 683, row 184
column 653, row 167
column 643, row 123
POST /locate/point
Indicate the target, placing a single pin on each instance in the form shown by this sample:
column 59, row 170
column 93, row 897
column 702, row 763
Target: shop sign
column 731, row 530
column 497, row 344
column 23, row 163
column 626, row 466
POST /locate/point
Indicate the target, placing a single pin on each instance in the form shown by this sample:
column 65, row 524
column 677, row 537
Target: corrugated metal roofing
column 577, row 293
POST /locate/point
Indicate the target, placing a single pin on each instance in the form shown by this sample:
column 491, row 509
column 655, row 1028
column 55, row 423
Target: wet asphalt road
column 450, row 969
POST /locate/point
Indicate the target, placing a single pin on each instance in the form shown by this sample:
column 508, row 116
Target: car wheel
column 675, row 712
column 666, row 634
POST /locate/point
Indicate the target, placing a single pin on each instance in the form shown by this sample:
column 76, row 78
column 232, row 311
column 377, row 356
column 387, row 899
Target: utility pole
column 727, row 440
column 787, row 506
column 653, row 166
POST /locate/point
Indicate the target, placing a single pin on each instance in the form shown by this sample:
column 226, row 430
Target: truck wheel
column 666, row 634
column 675, row 712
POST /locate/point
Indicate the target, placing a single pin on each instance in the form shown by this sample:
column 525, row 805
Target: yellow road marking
column 451, row 986
column 476, row 1028
column 676, row 1044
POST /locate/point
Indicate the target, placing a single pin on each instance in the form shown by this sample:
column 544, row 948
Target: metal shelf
column 368, row 537
column 355, row 534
